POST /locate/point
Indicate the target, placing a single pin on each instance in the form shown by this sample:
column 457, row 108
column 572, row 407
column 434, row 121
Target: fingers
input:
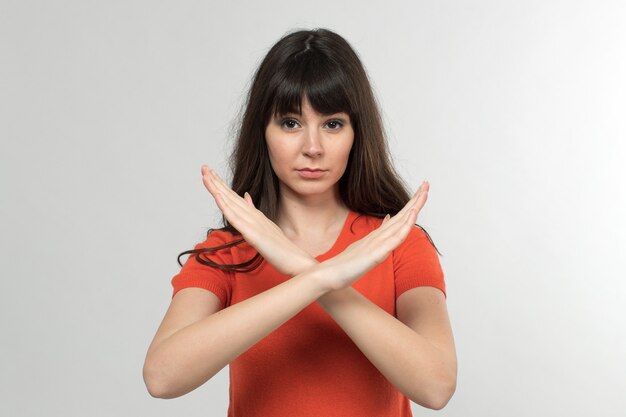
column 417, row 198
column 216, row 185
column 391, row 238
column 206, row 179
column 417, row 201
column 247, row 197
column 421, row 196
column 239, row 211
column 220, row 184
column 399, row 225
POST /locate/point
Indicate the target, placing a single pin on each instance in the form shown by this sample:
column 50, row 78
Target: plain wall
column 514, row 111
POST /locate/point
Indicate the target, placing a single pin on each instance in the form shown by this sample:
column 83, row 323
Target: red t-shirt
column 309, row 366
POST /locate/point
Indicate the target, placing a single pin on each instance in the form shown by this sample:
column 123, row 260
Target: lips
column 311, row 172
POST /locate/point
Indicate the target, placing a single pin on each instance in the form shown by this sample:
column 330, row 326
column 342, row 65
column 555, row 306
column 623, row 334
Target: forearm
column 194, row 354
column 408, row 360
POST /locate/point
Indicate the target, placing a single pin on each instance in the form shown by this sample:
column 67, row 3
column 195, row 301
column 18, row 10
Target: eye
column 289, row 123
column 334, row 124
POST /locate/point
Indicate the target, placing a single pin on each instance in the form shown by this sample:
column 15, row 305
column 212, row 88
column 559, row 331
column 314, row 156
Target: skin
column 311, row 211
column 196, row 339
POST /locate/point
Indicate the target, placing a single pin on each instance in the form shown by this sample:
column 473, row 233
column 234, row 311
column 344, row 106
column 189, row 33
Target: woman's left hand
column 364, row 254
column 259, row 231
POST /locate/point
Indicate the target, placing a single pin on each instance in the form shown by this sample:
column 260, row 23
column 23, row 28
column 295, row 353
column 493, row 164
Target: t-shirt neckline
column 344, row 228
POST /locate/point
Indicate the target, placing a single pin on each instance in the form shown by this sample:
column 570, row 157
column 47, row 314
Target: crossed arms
column 197, row 338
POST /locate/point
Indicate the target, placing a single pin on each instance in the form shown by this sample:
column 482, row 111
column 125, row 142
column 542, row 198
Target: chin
column 310, row 189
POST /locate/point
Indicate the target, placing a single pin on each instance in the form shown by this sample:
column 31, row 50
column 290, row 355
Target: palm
column 260, row 232
column 269, row 240
column 364, row 254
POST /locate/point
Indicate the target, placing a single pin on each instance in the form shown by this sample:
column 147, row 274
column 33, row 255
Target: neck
column 311, row 217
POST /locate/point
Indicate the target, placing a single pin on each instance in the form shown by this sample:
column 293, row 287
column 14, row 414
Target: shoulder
column 416, row 239
column 418, row 250
column 418, row 253
column 220, row 245
column 416, row 263
column 226, row 247
column 418, row 236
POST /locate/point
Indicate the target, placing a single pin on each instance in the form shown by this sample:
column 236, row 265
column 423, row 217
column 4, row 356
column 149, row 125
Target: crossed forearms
column 194, row 354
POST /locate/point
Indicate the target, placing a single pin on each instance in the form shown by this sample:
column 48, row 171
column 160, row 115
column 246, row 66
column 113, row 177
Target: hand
column 346, row 268
column 260, row 232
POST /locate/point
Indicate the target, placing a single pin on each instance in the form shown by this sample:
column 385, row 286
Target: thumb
column 247, row 197
column 387, row 217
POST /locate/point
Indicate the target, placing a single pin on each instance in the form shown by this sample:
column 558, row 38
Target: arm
column 415, row 352
column 195, row 341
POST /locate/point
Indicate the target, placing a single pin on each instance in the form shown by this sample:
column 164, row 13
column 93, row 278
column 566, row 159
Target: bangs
column 319, row 79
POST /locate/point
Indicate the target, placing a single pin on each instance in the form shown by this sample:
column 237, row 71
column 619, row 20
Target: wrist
column 308, row 263
column 303, row 264
column 318, row 273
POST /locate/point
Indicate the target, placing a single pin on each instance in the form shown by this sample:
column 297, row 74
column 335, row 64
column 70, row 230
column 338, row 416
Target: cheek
column 277, row 158
column 345, row 152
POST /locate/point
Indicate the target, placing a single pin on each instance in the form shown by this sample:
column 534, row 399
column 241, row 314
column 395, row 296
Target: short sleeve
column 198, row 275
column 416, row 264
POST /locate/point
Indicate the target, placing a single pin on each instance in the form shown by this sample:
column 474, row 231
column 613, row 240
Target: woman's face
column 309, row 151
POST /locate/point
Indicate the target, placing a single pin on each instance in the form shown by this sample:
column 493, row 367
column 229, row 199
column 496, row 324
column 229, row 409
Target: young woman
column 320, row 292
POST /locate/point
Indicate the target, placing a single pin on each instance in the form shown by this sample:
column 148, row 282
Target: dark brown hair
column 321, row 66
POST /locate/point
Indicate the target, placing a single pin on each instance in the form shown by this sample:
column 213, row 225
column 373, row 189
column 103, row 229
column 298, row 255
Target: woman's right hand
column 260, row 232
column 361, row 256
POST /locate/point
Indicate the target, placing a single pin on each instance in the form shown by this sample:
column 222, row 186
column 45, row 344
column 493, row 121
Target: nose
column 312, row 143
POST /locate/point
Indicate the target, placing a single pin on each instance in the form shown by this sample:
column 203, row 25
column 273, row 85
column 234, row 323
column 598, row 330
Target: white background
column 514, row 111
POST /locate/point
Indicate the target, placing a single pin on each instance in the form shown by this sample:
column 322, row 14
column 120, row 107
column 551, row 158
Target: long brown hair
column 322, row 66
